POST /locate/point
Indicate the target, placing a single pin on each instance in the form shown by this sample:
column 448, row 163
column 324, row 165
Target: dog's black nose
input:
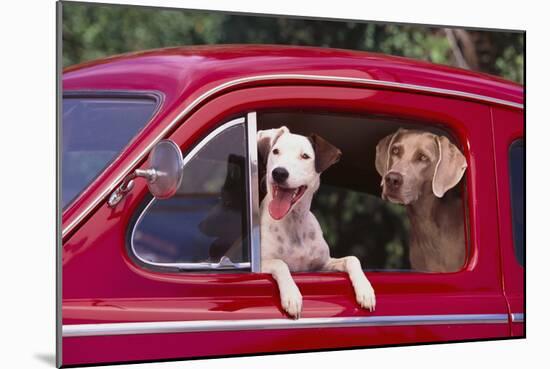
column 279, row 174
column 394, row 180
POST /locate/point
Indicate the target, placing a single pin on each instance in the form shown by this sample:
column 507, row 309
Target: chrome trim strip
column 271, row 77
column 211, row 136
column 108, row 329
column 253, row 195
column 186, row 159
column 155, row 95
column 518, row 318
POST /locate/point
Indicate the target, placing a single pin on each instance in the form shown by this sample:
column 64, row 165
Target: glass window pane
column 517, row 190
column 206, row 219
column 95, row 130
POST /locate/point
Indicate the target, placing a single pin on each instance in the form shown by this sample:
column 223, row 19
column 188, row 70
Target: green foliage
column 364, row 225
column 409, row 41
column 510, row 62
column 92, row 31
column 95, row 31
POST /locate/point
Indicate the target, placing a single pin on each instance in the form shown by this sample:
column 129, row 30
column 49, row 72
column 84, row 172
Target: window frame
column 156, row 96
column 251, row 207
column 253, row 211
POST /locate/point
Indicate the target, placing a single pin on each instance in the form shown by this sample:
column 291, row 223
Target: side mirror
column 165, row 169
column 163, row 176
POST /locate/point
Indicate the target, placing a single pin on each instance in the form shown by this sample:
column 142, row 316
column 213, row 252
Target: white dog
column 291, row 237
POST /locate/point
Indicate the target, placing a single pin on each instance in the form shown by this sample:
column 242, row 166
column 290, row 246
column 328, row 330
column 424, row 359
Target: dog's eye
column 275, row 151
column 305, row 156
column 422, row 157
column 395, row 151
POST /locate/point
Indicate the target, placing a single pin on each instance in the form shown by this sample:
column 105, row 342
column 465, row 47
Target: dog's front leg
column 291, row 298
column 364, row 293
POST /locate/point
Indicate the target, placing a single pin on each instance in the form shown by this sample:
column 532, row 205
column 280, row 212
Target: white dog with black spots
column 291, row 237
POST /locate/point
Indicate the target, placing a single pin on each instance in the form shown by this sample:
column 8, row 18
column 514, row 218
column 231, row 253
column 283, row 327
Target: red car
column 148, row 278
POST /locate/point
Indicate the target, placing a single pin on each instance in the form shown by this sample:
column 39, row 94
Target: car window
column 353, row 216
column 517, row 193
column 206, row 219
column 94, row 131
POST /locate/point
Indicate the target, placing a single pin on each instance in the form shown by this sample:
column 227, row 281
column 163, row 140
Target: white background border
column 27, row 229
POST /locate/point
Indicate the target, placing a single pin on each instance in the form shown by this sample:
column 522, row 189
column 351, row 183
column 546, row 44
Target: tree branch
column 460, row 61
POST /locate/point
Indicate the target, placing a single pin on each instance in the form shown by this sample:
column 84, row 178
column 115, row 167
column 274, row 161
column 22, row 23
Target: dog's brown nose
column 394, row 180
column 279, row 174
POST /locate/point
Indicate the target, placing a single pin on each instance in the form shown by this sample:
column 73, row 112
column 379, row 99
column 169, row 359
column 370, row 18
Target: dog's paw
column 291, row 301
column 364, row 294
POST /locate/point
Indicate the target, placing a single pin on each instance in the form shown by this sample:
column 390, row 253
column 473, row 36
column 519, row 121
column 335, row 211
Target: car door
column 509, row 131
column 124, row 301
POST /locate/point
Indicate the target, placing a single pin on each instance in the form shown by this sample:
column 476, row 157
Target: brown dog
column 417, row 169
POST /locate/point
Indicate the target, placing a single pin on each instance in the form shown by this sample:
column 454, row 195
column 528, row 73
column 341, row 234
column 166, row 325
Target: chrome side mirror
column 163, row 176
column 165, row 169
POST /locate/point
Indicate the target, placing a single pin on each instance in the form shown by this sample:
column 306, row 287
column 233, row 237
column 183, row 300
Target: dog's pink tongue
column 280, row 205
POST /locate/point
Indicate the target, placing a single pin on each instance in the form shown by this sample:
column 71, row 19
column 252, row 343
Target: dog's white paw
column 291, row 300
column 364, row 294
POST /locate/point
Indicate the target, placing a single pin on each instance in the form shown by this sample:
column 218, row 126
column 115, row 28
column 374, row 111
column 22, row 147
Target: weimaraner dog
column 417, row 169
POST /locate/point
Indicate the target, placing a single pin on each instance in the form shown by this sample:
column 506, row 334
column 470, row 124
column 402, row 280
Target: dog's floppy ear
column 266, row 139
column 326, row 153
column 449, row 168
column 382, row 161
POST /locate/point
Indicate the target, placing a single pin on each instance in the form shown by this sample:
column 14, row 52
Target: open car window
column 354, row 218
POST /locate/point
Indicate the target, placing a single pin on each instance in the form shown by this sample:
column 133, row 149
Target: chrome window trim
column 272, row 77
column 191, row 266
column 253, row 193
column 155, row 95
column 518, row 318
column 108, row 329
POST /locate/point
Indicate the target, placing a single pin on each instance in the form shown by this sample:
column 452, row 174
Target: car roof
column 185, row 71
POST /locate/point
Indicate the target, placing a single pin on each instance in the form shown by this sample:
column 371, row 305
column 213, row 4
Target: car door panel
column 143, row 347
column 509, row 127
column 103, row 285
